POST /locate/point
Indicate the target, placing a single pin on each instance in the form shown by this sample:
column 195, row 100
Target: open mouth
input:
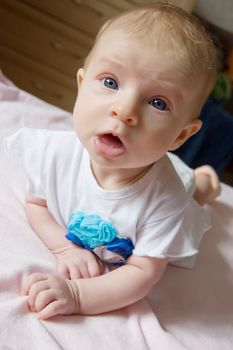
column 109, row 145
column 111, row 140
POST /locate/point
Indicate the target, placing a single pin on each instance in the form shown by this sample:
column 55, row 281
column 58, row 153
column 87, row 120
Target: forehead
column 119, row 48
column 112, row 41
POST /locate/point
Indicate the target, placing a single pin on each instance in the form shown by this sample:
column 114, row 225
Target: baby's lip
column 109, row 144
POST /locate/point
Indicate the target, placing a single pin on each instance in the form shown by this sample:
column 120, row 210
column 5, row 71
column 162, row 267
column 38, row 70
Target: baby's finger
column 63, row 271
column 52, row 309
column 34, row 291
column 101, row 266
column 34, row 277
column 83, row 269
column 94, row 267
column 43, row 299
column 74, row 272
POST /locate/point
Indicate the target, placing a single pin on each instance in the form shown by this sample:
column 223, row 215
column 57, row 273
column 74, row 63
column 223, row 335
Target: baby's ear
column 190, row 129
column 80, row 76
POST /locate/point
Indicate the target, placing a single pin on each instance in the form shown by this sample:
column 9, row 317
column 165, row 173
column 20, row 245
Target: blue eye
column 159, row 104
column 110, row 83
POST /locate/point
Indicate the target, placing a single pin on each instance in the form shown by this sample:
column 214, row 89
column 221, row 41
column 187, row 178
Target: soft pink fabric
column 188, row 309
column 196, row 306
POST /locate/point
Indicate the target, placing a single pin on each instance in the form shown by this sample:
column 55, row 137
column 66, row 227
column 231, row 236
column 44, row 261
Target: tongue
column 109, row 145
column 111, row 140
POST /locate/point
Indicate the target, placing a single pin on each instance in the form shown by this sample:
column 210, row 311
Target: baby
column 109, row 193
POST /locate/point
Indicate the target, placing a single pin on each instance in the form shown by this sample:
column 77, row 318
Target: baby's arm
column 51, row 295
column 73, row 261
column 120, row 287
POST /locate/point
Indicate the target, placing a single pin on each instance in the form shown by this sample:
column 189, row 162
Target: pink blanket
column 189, row 309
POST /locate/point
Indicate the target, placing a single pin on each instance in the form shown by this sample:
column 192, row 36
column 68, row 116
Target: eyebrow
column 168, row 89
column 111, row 61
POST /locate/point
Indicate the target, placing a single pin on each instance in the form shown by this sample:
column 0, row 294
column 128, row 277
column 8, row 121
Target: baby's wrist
column 58, row 251
column 74, row 292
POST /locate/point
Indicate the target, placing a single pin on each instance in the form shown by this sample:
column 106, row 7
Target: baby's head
column 173, row 32
column 143, row 85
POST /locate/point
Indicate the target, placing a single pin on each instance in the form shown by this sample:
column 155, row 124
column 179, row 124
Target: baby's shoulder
column 57, row 140
column 166, row 193
column 166, row 180
column 42, row 144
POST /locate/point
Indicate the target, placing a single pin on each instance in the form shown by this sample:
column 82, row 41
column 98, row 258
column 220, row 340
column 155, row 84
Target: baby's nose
column 126, row 111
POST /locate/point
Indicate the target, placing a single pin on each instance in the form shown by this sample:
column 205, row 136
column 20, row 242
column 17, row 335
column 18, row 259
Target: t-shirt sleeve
column 186, row 174
column 27, row 147
column 176, row 236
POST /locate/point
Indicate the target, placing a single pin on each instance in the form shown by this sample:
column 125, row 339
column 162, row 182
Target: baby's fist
column 50, row 295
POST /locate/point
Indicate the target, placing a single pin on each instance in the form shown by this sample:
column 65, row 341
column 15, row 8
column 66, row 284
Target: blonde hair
column 171, row 30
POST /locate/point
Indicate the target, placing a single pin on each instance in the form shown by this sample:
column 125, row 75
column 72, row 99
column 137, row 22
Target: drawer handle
column 81, row 3
column 57, row 45
column 40, row 87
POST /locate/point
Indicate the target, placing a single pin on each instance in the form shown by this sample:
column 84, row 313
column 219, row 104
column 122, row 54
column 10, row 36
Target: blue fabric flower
column 91, row 229
column 99, row 236
column 122, row 246
column 73, row 238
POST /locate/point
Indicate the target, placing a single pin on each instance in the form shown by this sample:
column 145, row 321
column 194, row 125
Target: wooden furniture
column 44, row 42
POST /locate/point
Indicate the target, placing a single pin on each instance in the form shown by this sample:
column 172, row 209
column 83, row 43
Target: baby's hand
column 50, row 295
column 75, row 262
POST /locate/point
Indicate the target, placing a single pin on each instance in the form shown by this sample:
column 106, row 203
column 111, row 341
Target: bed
column 188, row 309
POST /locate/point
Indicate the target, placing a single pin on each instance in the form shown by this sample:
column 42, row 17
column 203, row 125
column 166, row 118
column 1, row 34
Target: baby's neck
column 116, row 179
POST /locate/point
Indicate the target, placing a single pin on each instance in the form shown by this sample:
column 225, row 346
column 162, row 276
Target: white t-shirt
column 156, row 213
